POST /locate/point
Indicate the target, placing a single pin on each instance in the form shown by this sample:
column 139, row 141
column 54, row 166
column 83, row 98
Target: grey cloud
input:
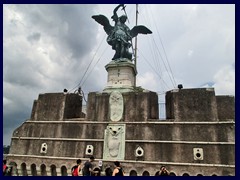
column 68, row 26
column 20, row 71
column 11, row 121
column 79, row 34
column 34, row 37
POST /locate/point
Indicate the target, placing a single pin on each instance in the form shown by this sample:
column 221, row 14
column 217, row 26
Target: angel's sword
column 123, row 8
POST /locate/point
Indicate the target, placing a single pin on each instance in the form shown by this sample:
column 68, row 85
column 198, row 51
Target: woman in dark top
column 118, row 171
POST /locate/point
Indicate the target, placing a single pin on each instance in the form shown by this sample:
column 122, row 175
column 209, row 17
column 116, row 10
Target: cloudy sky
column 47, row 48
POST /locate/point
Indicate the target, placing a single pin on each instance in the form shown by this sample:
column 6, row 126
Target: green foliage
column 6, row 149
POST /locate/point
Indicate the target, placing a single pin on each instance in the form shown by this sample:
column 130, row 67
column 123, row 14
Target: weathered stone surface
column 170, row 142
column 139, row 106
column 114, row 142
column 98, row 106
column 191, row 105
column 57, row 106
column 161, row 141
column 116, row 106
column 225, row 107
column 121, row 76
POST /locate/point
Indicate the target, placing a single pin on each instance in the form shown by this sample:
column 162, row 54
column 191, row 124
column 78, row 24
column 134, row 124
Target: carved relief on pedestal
column 116, row 105
column 114, row 142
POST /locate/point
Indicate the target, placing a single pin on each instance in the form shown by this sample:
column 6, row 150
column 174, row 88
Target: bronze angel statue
column 120, row 35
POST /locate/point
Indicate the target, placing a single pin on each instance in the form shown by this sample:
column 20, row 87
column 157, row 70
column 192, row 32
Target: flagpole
column 135, row 62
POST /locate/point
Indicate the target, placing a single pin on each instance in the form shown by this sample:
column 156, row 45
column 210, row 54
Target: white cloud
column 147, row 81
column 6, row 101
column 225, row 81
column 190, row 53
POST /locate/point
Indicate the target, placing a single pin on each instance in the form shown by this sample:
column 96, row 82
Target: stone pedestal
column 121, row 76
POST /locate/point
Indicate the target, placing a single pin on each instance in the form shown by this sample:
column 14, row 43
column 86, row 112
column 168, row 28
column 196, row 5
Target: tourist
column 163, row 171
column 118, row 171
column 77, row 168
column 88, row 168
column 4, row 167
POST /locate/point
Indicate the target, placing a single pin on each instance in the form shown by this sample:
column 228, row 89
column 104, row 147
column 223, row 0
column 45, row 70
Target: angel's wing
column 103, row 20
column 139, row 30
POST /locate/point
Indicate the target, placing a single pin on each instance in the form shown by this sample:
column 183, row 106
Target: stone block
column 191, row 105
column 225, row 107
column 57, row 106
column 120, row 75
column 138, row 106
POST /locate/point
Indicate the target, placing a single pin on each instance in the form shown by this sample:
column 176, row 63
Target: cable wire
column 79, row 84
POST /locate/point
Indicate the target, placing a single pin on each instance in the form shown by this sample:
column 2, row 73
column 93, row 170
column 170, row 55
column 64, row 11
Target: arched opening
column 133, row 173
column 33, row 170
column 145, row 173
column 43, row 170
column 24, row 169
column 199, row 175
column 13, row 168
column 157, row 173
column 172, row 174
column 53, row 170
column 185, row 174
column 214, row 175
column 64, row 171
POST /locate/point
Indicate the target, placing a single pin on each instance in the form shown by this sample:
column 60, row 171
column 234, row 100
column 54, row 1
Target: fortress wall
column 139, row 166
column 225, row 107
column 172, row 142
column 192, row 105
column 212, row 132
column 161, row 141
column 182, row 131
column 61, row 129
column 73, row 106
column 181, row 152
column 98, row 107
column 139, row 106
column 57, row 106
